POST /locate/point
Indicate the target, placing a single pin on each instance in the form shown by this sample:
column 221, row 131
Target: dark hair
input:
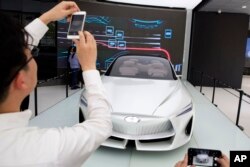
column 12, row 56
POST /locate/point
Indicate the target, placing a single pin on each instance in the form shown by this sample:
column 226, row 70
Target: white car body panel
column 155, row 114
column 142, row 90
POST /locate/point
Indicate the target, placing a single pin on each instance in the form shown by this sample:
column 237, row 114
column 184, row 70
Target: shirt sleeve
column 37, row 30
column 84, row 138
column 73, row 145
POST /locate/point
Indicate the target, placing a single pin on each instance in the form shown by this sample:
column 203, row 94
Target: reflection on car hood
column 138, row 96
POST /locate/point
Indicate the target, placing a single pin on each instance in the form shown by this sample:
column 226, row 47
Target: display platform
column 212, row 129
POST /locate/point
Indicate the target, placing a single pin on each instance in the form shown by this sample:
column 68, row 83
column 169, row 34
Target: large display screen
column 127, row 29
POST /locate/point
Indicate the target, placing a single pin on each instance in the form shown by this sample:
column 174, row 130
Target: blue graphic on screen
column 64, row 20
column 147, row 24
column 120, row 35
column 112, row 43
column 178, row 68
column 98, row 19
column 168, row 33
column 109, row 30
column 122, row 45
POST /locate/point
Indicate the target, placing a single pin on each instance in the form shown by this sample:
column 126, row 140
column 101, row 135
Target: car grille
column 146, row 126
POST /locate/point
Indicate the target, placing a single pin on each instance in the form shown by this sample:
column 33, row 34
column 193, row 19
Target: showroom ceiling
column 190, row 4
column 227, row 6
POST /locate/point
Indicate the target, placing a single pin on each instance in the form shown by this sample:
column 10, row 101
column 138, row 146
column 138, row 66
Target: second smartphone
column 203, row 157
column 76, row 24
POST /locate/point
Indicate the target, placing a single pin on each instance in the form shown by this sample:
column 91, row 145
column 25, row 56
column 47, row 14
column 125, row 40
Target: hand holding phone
column 203, row 157
column 76, row 24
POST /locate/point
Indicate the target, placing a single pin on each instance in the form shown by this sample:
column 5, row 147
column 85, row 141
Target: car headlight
column 186, row 109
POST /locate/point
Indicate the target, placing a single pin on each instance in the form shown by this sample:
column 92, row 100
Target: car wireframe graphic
column 151, row 107
column 202, row 158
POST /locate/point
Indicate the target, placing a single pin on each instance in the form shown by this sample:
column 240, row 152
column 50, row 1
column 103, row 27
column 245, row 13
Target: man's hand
column 86, row 51
column 61, row 10
column 183, row 163
column 223, row 161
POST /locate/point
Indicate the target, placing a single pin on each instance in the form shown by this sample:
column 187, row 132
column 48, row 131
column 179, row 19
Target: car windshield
column 146, row 67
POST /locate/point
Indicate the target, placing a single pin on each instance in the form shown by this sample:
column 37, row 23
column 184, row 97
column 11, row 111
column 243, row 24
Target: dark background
column 25, row 11
column 218, row 47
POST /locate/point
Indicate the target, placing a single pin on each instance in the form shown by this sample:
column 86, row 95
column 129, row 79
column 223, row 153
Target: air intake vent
column 189, row 127
column 81, row 117
column 116, row 138
column 155, row 140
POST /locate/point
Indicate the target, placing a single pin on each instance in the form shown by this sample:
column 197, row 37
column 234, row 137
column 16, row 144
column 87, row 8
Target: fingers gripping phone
column 76, row 24
column 203, row 157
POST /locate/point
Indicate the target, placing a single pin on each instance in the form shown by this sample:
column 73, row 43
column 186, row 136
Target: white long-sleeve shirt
column 25, row 146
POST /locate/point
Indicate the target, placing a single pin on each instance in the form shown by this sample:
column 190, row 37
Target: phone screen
column 203, row 157
column 76, row 24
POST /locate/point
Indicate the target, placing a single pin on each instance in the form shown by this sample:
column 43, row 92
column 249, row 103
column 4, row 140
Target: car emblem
column 132, row 119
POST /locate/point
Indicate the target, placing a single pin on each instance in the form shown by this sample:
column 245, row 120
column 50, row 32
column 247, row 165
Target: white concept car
column 202, row 158
column 151, row 107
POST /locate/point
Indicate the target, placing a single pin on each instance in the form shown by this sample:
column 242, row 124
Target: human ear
column 20, row 81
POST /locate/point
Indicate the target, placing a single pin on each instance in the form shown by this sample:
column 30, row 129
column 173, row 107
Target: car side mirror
column 102, row 72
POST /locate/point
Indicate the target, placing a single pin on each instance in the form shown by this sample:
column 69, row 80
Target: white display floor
column 212, row 129
column 227, row 101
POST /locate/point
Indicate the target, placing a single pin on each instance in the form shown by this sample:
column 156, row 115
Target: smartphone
column 203, row 157
column 76, row 24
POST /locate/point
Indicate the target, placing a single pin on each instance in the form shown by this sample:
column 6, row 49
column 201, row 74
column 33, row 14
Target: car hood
column 138, row 96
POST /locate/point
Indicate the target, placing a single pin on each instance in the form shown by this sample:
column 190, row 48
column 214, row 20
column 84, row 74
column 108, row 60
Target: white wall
column 187, row 43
